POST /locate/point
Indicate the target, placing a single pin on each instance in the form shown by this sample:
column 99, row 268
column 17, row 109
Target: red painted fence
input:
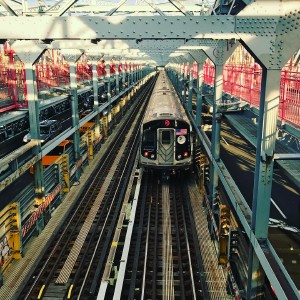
column 50, row 71
column 244, row 81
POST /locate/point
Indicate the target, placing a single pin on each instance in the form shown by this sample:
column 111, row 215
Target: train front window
column 166, row 137
column 149, row 138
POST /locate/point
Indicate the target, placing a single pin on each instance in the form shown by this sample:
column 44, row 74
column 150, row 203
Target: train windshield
column 166, row 137
column 149, row 138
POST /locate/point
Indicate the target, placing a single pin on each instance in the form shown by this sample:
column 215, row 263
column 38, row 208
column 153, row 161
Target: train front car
column 166, row 141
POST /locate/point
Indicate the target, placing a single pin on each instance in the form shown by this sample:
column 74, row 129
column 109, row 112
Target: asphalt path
column 239, row 157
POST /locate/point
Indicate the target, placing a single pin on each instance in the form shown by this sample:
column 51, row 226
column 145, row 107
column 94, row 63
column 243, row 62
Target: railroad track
column 74, row 261
column 164, row 259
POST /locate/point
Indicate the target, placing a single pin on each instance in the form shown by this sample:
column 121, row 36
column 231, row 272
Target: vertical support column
column 123, row 76
column 74, row 105
column 266, row 137
column 95, row 58
column 180, row 82
column 95, row 84
column 199, row 94
column 177, row 74
column 131, row 74
column 216, row 128
column 134, row 73
column 108, row 86
column 117, row 80
column 108, row 97
column 190, row 96
column 33, row 108
column 139, row 73
column 128, row 77
column 29, row 52
column 184, row 79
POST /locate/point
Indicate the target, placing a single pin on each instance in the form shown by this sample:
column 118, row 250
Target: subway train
column 166, row 133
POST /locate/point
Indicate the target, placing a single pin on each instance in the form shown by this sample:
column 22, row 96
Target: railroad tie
column 215, row 278
column 66, row 270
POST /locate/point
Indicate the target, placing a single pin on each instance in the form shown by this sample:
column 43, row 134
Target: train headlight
column 179, row 156
column 152, row 156
column 185, row 154
column 146, row 153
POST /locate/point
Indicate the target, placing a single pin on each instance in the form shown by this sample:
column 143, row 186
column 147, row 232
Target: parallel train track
column 164, row 261
column 74, row 260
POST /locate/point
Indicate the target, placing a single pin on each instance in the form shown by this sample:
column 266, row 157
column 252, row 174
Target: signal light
column 167, row 123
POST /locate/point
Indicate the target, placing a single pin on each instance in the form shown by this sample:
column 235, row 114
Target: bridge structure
column 194, row 41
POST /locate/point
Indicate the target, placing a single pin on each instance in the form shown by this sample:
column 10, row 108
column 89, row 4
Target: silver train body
column 166, row 140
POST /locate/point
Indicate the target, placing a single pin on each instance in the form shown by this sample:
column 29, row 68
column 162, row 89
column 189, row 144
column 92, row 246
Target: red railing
column 289, row 108
column 208, row 73
column 10, row 80
column 244, row 82
column 84, row 71
column 101, row 69
column 51, row 71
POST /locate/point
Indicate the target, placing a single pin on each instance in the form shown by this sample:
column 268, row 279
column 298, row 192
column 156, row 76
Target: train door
column 165, row 146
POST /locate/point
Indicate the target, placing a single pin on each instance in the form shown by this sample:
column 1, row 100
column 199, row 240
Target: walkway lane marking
column 280, row 211
column 41, row 292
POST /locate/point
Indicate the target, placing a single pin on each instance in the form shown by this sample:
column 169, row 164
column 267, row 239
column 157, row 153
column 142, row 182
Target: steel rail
column 130, row 154
column 96, row 175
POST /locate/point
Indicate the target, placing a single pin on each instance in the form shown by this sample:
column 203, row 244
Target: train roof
column 164, row 102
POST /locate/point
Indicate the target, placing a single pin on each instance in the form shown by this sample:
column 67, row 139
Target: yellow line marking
column 70, row 291
column 41, row 292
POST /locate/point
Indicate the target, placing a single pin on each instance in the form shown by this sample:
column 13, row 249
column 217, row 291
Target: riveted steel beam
column 221, row 51
column 155, row 7
column 270, row 30
column 115, row 8
column 180, row 7
column 94, row 57
column 198, row 55
column 66, row 5
column 117, row 27
column 71, row 55
column 29, row 51
column 109, row 9
column 8, row 7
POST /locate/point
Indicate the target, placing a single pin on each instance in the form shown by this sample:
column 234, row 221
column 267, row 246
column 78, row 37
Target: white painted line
column 225, row 141
column 280, row 211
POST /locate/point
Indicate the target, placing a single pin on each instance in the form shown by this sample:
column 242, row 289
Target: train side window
column 166, row 137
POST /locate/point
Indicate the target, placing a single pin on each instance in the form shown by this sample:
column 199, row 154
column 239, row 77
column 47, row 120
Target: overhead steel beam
column 287, row 156
column 124, row 9
column 117, row 6
column 65, row 7
column 180, row 7
column 155, row 7
column 8, row 8
column 117, row 27
column 273, row 31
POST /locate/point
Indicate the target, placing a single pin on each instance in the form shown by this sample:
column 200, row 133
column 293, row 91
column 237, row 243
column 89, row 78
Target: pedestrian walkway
column 245, row 122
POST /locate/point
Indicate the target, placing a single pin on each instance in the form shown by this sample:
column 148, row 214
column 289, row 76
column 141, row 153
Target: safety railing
column 244, row 82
